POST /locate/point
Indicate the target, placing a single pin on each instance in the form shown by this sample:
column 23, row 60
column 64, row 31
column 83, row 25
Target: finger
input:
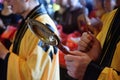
column 92, row 37
column 73, row 72
column 70, row 66
column 73, row 65
column 86, row 37
column 82, row 46
column 82, row 43
column 68, row 63
column 69, row 58
column 75, row 55
column 72, row 76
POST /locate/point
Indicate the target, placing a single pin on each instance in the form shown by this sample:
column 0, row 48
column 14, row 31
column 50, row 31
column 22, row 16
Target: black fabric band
column 38, row 10
column 93, row 71
column 112, row 38
column 3, row 67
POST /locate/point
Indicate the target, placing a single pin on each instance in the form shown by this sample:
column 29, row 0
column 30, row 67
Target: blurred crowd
column 72, row 18
column 9, row 23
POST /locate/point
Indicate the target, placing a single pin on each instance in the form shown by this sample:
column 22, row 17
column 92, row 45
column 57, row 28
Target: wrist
column 93, row 71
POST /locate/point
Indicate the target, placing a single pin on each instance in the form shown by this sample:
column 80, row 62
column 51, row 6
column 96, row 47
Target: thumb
column 95, row 49
column 77, row 53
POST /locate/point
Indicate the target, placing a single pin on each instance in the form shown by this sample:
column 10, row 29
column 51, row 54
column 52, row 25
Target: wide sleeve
column 36, row 67
column 109, row 74
column 34, row 62
column 97, row 72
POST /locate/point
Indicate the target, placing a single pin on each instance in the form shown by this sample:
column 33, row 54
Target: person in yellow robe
column 27, row 58
column 98, row 59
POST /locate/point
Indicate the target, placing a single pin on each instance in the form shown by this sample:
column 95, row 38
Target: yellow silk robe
column 33, row 63
column 109, row 73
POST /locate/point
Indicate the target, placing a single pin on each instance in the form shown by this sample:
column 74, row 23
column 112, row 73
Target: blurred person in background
column 109, row 5
column 9, row 24
column 71, row 11
column 63, row 5
column 49, row 7
column 117, row 3
column 89, row 5
column 98, row 9
column 94, row 19
column 1, row 4
column 8, row 17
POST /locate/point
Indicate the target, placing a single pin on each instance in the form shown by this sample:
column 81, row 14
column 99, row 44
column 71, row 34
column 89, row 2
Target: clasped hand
column 89, row 49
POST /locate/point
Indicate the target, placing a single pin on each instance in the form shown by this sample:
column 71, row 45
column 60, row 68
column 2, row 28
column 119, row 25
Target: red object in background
column 9, row 32
column 61, row 59
column 67, row 40
column 63, row 40
column 71, row 42
column 7, row 36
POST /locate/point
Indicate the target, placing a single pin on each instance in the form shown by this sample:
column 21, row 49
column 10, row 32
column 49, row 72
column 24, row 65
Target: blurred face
column 118, row 2
column 62, row 2
column 97, row 4
column 72, row 3
column 109, row 4
column 17, row 6
column 83, row 2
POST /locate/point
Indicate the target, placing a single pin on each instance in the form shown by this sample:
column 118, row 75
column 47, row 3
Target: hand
column 85, row 42
column 3, row 51
column 95, row 25
column 90, row 45
column 76, row 64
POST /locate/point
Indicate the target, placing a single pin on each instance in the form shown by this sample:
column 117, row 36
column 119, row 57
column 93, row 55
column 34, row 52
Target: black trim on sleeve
column 93, row 71
column 3, row 67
